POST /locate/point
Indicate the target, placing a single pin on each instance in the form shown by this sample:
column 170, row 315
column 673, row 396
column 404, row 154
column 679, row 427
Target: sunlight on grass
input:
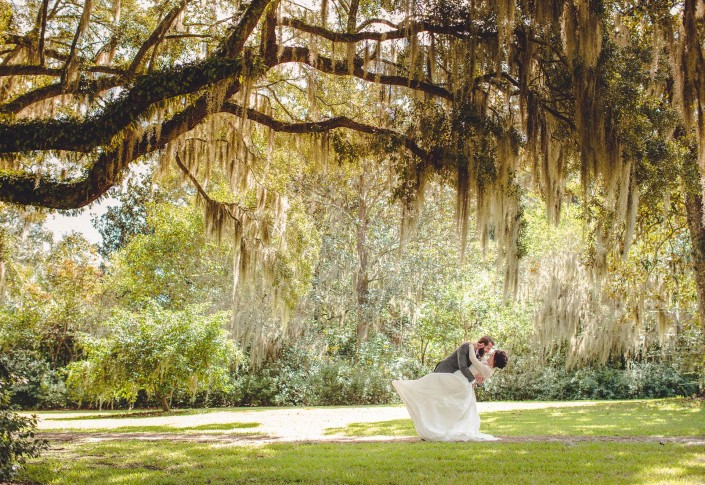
column 676, row 417
column 570, row 461
column 397, row 427
column 369, row 463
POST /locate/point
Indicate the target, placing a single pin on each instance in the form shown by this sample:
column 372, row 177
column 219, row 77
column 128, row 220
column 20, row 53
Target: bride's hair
column 500, row 359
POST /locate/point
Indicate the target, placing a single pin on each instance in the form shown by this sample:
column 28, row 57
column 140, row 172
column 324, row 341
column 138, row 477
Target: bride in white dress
column 443, row 406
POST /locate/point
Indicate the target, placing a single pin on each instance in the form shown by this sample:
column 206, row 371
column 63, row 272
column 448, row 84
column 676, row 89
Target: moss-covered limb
column 268, row 45
column 341, row 68
column 29, row 189
column 24, row 70
column 71, row 66
column 45, row 191
column 84, row 88
column 303, row 55
column 328, row 125
column 84, row 136
column 461, row 31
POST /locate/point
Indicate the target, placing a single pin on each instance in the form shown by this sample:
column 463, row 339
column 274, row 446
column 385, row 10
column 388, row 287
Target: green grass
column 569, row 461
column 673, row 417
column 158, row 429
column 370, row 463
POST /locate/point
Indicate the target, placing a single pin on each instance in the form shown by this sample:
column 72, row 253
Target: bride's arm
column 483, row 369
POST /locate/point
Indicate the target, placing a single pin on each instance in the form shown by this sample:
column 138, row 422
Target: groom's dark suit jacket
column 458, row 360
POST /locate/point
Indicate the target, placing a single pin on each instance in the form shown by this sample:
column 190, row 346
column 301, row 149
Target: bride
column 443, row 405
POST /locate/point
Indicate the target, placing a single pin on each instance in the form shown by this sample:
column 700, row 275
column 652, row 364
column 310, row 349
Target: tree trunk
column 694, row 211
column 362, row 277
column 165, row 404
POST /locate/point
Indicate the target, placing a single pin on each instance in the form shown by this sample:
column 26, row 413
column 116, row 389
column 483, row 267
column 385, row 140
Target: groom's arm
column 463, row 359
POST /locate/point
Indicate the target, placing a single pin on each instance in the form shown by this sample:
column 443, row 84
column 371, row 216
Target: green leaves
column 155, row 350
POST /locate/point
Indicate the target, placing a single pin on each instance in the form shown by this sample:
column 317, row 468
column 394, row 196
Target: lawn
column 623, row 458
column 673, row 417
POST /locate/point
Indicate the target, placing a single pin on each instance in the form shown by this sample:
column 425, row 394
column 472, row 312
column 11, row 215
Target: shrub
column 17, row 441
column 37, row 384
column 527, row 379
column 157, row 351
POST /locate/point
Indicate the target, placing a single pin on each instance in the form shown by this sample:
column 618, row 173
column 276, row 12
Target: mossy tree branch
column 429, row 157
column 98, row 131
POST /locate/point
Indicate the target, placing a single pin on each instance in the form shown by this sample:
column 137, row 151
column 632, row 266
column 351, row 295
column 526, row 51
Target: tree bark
column 696, row 228
column 362, row 279
column 42, row 21
column 165, row 404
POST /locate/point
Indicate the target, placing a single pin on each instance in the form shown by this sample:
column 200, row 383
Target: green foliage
column 302, row 374
column 121, row 222
column 156, row 350
column 38, row 385
column 175, row 264
column 51, row 296
column 527, row 378
column 17, row 440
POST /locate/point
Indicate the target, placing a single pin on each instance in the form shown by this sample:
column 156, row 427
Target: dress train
column 443, row 407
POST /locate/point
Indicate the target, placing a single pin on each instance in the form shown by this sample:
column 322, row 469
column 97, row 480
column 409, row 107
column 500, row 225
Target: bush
column 526, row 378
column 157, row 351
column 37, row 384
column 303, row 374
column 17, row 441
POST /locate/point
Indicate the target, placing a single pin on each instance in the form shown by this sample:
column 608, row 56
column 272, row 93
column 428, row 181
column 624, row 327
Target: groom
column 460, row 359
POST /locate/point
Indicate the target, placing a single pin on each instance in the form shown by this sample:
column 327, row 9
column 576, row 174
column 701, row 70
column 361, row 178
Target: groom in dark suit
column 460, row 358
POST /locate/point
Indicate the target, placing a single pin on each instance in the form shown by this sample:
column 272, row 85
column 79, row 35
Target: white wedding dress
column 443, row 407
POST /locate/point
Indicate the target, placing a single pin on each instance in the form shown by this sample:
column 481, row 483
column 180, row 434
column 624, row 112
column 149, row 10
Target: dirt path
column 276, row 425
column 287, row 424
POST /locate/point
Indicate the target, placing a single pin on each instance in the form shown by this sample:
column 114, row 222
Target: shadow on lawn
column 408, row 462
column 685, row 417
column 146, row 413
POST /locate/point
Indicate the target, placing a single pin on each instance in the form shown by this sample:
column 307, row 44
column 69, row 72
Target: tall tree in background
column 128, row 217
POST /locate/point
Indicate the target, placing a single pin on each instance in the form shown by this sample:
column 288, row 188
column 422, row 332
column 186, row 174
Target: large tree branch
column 90, row 88
column 157, row 34
column 42, row 21
column 462, row 31
column 25, row 70
column 82, row 26
column 45, row 191
column 303, row 55
column 237, row 37
column 328, row 125
column 29, row 70
column 86, row 135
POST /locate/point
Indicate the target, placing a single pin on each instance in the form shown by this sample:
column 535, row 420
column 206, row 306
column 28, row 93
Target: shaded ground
column 253, row 439
column 283, row 425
